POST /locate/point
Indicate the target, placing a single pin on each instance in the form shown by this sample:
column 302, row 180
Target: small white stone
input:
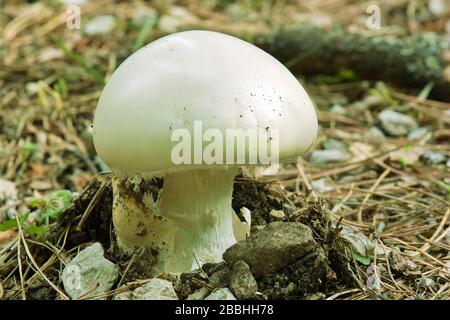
column 100, row 25
column 142, row 14
column 89, row 273
column 375, row 133
column 279, row 214
column 155, row 289
column 438, row 7
column 328, row 156
column 221, row 294
column 418, row 133
column 175, row 18
column 32, row 88
column 321, row 186
column 396, row 123
column 338, row 109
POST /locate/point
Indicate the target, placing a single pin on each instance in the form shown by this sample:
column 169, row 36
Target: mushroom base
column 190, row 224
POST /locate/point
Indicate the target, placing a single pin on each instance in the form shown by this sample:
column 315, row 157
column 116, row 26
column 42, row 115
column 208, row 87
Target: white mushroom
column 183, row 81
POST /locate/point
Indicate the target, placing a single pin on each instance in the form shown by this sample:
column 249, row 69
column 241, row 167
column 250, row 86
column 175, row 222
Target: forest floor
column 375, row 190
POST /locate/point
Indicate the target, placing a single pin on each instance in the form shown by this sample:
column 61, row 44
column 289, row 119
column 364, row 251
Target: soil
column 314, row 275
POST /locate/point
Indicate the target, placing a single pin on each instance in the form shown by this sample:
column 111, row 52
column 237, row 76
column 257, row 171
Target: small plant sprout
column 192, row 108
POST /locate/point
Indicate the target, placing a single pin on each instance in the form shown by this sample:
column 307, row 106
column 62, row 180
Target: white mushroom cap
column 190, row 76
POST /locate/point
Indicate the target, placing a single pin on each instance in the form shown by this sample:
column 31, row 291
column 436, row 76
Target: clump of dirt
column 310, row 274
column 255, row 196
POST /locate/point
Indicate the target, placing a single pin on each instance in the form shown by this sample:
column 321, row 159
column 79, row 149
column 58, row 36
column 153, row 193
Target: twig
column 91, row 205
column 30, row 256
column 301, row 171
column 19, row 261
column 372, row 189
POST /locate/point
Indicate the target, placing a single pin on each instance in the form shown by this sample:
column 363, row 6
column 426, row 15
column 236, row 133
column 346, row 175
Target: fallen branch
column 411, row 61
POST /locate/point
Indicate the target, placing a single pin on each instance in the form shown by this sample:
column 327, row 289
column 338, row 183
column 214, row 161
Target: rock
column 221, row 294
column 417, row 133
column 279, row 214
column 407, row 155
column 8, row 196
column 315, row 296
column 333, row 144
column 438, row 7
column 375, row 133
column 155, row 289
column 328, row 156
column 309, row 274
column 242, row 282
column 100, row 25
column 220, row 278
column 32, row 88
column 126, row 295
column 433, row 157
column 396, row 123
column 199, row 294
column 273, row 247
column 402, row 265
column 141, row 14
column 426, row 282
column 175, row 18
column 74, row 2
column 7, row 190
column 89, row 273
column 321, row 186
column 49, row 54
column 338, row 109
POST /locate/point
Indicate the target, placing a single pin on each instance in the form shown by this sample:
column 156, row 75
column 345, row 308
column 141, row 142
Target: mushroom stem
column 199, row 202
column 190, row 224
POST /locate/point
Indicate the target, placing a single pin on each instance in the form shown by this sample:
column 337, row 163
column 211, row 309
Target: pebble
column 279, row 214
column 433, row 157
column 175, row 18
column 331, row 144
column 142, row 14
column 155, row 289
column 375, row 133
column 89, row 273
column 272, row 247
column 321, row 185
column 200, row 294
column 338, row 109
column 221, row 294
column 417, row 133
column 396, row 123
column 242, row 282
column 220, row 278
column 100, row 25
column 328, row 156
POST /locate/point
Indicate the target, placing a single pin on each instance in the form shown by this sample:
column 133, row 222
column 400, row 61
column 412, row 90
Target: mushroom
column 162, row 108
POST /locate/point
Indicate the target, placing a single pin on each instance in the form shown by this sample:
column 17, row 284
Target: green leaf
column 56, row 203
column 364, row 260
column 344, row 75
column 28, row 148
column 8, row 225
column 11, row 224
column 148, row 26
column 426, row 91
column 93, row 73
column 38, row 230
